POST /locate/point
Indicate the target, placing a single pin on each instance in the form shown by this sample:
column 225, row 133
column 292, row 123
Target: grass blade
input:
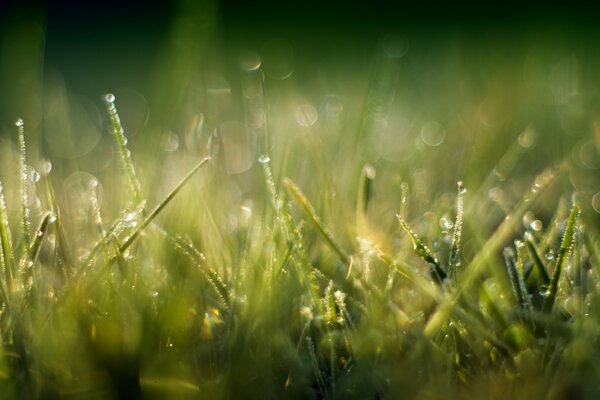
column 314, row 218
column 124, row 153
column 537, row 261
column 36, row 244
column 7, row 252
column 25, row 223
column 453, row 259
column 481, row 260
column 421, row 249
column 565, row 249
column 162, row 205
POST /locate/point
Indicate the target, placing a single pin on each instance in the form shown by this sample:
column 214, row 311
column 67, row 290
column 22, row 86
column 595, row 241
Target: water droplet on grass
column 528, row 138
column 45, row 167
column 35, row 176
column 461, row 188
column 51, row 218
column 264, row 159
column 19, row 123
column 536, row 225
column 109, row 98
column 446, row 223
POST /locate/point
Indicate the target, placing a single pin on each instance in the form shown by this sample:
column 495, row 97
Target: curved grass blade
column 38, row 238
column 314, row 218
column 565, row 249
column 421, row 249
column 124, row 153
column 537, row 261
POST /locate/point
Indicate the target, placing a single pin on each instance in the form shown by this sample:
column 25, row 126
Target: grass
column 289, row 274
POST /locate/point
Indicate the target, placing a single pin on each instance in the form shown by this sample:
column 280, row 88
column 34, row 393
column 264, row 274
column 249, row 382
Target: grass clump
column 292, row 292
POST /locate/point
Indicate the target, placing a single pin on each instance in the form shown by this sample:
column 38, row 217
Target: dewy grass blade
column 537, row 261
column 477, row 266
column 516, row 281
column 454, row 258
column 36, row 244
column 314, row 218
column 124, row 153
column 24, row 178
column 421, row 249
column 162, row 205
column 7, row 252
column 565, row 249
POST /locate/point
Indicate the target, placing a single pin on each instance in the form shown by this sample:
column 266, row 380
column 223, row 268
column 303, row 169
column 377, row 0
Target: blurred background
column 427, row 92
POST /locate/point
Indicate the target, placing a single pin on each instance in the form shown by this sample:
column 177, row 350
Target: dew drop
column 445, row 222
column 264, row 159
column 19, row 123
column 528, row 138
column 536, row 225
column 109, row 98
column 549, row 255
column 461, row 187
column 51, row 218
column 35, row 176
column 92, row 183
column 45, row 167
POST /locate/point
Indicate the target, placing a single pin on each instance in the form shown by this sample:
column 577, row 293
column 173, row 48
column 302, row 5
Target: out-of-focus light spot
column 133, row 110
column 76, row 188
column 563, row 80
column 257, row 118
column 72, row 126
column 212, row 318
column 250, row 61
column 433, row 133
column 334, row 106
column 596, row 202
column 239, row 146
column 527, row 138
column 45, row 167
column 278, row 59
column 170, row 141
column 588, row 155
column 394, row 46
column 306, row 115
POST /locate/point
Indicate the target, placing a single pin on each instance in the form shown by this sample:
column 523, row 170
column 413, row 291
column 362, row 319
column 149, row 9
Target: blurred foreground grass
column 323, row 250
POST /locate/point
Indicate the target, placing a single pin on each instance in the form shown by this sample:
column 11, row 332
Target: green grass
column 320, row 268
